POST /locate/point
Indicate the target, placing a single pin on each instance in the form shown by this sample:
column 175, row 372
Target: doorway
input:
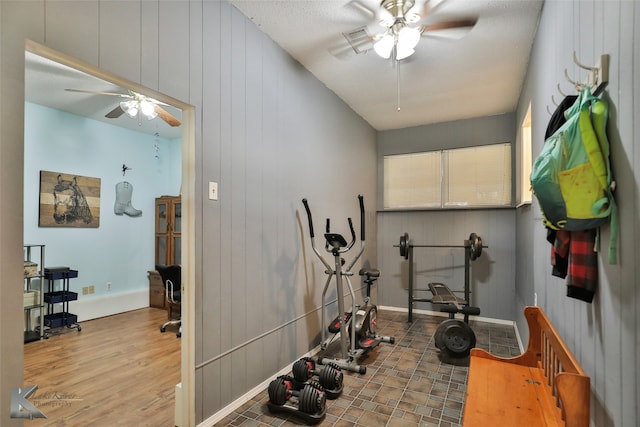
column 155, row 159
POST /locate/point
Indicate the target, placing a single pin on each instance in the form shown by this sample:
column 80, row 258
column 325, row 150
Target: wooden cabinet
column 168, row 234
column 168, row 230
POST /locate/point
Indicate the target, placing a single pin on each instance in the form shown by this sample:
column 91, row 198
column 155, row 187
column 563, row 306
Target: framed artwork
column 69, row 200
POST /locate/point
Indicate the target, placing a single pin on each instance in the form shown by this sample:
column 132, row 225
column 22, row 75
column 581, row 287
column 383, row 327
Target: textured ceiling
column 448, row 78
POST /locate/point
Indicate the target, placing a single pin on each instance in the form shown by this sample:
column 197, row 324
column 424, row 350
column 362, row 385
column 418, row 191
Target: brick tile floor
column 408, row 383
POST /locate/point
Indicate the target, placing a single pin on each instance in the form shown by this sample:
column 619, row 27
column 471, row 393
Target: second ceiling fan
column 134, row 105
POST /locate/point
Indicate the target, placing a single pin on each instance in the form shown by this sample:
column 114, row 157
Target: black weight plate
column 404, row 245
column 331, row 377
column 278, row 392
column 301, row 370
column 438, row 336
column 312, row 399
column 476, row 246
column 458, row 339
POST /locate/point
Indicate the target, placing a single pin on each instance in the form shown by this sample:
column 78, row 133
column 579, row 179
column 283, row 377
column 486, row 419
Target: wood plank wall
column 604, row 335
column 253, row 253
column 266, row 130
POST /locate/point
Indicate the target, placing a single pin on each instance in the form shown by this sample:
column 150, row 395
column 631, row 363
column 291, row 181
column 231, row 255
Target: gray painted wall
column 266, row 130
column 177, row 50
column 275, row 135
column 493, row 274
column 603, row 335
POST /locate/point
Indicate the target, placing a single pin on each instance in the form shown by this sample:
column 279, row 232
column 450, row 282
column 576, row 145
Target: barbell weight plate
column 404, row 245
column 458, row 339
column 476, row 246
column 438, row 337
column 478, row 249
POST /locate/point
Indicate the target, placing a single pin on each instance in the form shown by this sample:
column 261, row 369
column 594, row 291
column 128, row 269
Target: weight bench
column 453, row 336
column 545, row 386
column 450, row 303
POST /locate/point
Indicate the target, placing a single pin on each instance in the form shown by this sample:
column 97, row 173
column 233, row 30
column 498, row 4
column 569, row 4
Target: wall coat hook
column 125, row 168
column 560, row 91
column 598, row 75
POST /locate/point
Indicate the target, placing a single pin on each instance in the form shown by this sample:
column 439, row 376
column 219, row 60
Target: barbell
column 474, row 244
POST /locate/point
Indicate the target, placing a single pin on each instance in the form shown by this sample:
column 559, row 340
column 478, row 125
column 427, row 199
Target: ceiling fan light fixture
column 130, row 107
column 148, row 109
column 408, row 37
column 403, row 52
column 384, row 46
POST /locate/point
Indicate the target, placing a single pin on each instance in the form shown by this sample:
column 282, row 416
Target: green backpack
column 571, row 178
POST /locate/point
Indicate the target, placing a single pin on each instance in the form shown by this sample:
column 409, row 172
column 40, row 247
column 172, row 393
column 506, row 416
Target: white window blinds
column 467, row 177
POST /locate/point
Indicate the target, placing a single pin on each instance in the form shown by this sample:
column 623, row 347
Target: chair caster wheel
column 163, row 329
column 178, row 335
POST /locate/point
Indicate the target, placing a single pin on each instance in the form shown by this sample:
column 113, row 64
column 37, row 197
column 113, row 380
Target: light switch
column 213, row 190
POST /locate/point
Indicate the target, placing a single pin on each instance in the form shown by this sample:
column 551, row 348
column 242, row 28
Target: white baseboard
column 107, row 305
column 88, row 308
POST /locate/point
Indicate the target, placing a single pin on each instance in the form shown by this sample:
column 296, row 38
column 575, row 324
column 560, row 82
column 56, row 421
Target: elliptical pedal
column 368, row 342
column 334, row 327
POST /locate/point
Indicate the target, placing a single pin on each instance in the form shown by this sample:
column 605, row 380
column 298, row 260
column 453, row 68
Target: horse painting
column 68, row 200
column 69, row 204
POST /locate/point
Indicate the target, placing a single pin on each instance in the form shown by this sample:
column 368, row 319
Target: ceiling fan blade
column 97, row 92
column 449, row 30
column 448, row 25
column 166, row 116
column 115, row 113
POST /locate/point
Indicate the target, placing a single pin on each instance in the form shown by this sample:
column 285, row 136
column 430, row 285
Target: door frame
column 185, row 394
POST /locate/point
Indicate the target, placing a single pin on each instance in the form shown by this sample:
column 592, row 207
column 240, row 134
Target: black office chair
column 171, row 279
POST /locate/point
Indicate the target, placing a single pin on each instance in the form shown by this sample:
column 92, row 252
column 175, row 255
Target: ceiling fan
column 135, row 105
column 403, row 25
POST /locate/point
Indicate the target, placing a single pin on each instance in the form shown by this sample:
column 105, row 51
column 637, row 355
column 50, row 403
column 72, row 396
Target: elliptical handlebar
column 328, row 247
column 361, row 200
column 353, row 235
column 306, row 207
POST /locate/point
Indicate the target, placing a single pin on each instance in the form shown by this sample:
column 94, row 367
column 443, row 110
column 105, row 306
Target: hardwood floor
column 118, row 371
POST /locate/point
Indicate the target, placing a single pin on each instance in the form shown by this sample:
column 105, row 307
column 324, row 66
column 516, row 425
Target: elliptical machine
column 358, row 325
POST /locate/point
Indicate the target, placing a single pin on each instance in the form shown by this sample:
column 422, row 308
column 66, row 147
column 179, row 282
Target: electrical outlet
column 92, row 289
column 108, row 286
column 85, row 290
column 213, row 190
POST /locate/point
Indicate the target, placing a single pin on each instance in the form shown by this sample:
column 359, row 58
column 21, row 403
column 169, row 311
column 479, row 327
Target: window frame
column 444, row 186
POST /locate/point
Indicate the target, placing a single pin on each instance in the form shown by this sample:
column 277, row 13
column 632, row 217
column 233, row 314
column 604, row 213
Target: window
column 412, row 180
column 465, row 177
column 524, row 196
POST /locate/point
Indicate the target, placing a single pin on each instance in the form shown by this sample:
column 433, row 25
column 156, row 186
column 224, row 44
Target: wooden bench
column 545, row 386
